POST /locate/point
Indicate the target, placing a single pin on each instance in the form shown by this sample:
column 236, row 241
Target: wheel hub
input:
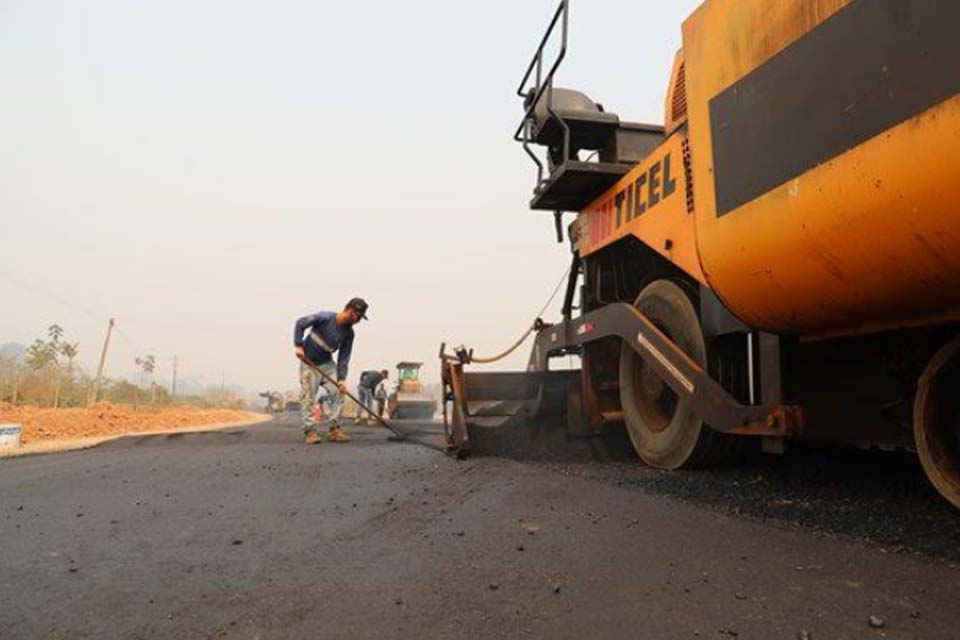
column 658, row 402
column 650, row 382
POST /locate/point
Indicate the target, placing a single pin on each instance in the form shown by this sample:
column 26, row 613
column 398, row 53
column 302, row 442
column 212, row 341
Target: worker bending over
column 315, row 339
column 369, row 381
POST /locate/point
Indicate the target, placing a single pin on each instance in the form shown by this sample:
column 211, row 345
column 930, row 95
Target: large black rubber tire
column 936, row 421
column 665, row 431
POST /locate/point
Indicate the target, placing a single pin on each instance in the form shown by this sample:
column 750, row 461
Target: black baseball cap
column 360, row 306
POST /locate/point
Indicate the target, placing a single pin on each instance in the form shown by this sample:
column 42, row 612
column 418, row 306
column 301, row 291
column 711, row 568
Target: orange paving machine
column 779, row 259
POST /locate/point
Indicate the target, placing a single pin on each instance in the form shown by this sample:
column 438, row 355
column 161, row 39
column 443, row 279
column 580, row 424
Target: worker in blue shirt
column 315, row 339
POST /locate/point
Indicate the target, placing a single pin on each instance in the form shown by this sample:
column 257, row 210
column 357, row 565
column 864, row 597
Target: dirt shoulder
column 57, row 429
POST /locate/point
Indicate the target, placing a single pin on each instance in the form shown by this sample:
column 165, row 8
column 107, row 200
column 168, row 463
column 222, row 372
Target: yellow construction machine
column 779, row 259
column 408, row 401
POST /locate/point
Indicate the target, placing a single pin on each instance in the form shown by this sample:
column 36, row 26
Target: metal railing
column 536, row 84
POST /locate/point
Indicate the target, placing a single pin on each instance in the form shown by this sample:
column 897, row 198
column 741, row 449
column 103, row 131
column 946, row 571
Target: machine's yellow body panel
column 866, row 242
column 866, row 236
column 651, row 204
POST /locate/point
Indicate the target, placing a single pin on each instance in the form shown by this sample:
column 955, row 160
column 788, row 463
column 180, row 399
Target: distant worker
column 380, row 395
column 315, row 339
column 369, row 381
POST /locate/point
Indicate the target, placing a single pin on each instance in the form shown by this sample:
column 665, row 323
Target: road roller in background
column 408, row 401
column 779, row 259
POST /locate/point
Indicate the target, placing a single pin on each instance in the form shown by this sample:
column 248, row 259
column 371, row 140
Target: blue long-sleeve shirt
column 333, row 337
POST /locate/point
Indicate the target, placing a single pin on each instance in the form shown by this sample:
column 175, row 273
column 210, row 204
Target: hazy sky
column 206, row 172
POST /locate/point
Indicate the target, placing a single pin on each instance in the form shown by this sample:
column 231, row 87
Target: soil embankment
column 107, row 420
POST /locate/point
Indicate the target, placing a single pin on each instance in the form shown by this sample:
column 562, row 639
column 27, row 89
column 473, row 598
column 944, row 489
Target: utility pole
column 95, row 390
column 173, row 386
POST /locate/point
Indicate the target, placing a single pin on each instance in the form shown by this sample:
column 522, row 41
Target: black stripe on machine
column 869, row 67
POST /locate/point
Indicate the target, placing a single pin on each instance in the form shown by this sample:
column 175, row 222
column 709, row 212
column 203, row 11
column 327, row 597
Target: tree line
column 47, row 374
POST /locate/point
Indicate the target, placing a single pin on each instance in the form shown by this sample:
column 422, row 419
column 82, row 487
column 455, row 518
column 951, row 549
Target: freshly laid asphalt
column 247, row 533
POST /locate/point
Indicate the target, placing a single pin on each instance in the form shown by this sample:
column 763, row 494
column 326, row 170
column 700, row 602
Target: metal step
column 574, row 185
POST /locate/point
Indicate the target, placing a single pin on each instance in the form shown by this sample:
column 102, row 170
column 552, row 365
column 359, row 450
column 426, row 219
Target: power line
column 47, row 293
column 130, row 341
column 113, row 328
column 171, row 325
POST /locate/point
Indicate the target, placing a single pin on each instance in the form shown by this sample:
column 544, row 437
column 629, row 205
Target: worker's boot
column 312, row 437
column 338, row 435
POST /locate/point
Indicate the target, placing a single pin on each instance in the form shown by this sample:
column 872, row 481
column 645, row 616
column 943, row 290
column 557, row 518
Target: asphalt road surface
column 249, row 534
